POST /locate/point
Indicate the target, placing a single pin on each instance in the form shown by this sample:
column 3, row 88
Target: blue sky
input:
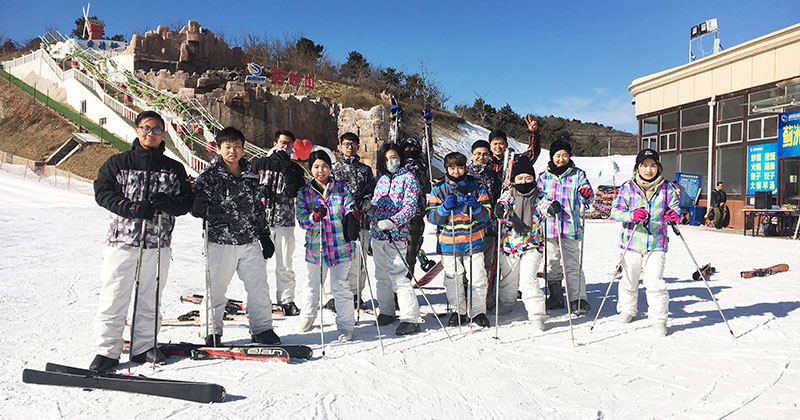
column 573, row 59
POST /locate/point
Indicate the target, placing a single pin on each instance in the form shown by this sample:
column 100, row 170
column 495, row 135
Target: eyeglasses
column 148, row 130
column 349, row 144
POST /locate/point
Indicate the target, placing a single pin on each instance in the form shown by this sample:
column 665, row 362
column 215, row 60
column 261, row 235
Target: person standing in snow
column 569, row 189
column 361, row 183
column 326, row 210
column 454, row 202
column 521, row 210
column 281, row 179
column 228, row 197
column 394, row 205
column 482, row 169
column 645, row 205
column 134, row 186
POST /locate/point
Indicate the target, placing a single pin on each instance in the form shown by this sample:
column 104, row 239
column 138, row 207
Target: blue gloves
column 451, row 202
column 472, row 202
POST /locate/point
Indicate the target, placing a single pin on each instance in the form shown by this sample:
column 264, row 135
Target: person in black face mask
column 416, row 162
column 521, row 211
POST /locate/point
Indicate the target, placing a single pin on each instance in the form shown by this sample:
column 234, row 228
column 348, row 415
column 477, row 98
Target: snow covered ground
column 52, row 240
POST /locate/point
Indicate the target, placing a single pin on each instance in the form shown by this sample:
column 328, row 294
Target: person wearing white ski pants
column 283, row 238
column 247, row 261
column 390, row 278
column 453, row 282
column 343, row 298
column 650, row 267
column 118, row 276
column 576, row 281
column 520, row 274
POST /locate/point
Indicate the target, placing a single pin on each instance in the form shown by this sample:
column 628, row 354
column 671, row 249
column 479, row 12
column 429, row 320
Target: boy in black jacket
column 135, row 186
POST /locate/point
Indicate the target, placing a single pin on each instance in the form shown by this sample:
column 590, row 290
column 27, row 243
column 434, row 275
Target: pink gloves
column 671, row 216
column 640, row 215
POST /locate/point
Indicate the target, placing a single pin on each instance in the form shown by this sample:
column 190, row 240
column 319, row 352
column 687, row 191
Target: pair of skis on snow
column 202, row 392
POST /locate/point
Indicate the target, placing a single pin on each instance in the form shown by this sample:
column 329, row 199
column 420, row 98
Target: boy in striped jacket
column 454, row 202
column 566, row 185
column 645, row 205
column 323, row 207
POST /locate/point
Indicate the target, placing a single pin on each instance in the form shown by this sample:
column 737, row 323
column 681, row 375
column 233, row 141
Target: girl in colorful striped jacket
column 394, row 204
column 464, row 198
column 321, row 208
column 566, row 185
column 645, row 205
column 521, row 210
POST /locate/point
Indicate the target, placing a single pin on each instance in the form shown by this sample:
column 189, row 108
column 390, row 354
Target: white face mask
column 392, row 165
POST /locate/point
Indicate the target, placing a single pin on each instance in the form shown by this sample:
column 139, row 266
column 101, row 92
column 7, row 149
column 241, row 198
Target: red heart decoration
column 302, row 148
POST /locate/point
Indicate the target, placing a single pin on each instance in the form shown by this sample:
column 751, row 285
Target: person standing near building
column 566, row 185
column 360, row 182
column 719, row 200
column 280, row 179
column 228, row 197
column 645, row 205
column 134, row 186
column 323, row 207
column 394, row 205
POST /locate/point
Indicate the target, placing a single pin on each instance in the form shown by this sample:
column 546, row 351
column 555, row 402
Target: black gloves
column 554, row 209
column 351, row 227
column 200, row 206
column 267, row 247
column 163, row 202
column 141, row 210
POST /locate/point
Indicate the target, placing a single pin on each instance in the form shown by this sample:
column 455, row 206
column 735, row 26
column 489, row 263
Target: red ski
column 430, row 275
column 763, row 272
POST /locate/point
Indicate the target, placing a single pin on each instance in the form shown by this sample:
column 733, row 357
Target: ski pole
column 413, row 277
column 566, row 282
column 322, row 279
column 678, row 232
column 459, row 282
column 360, row 245
column 362, row 266
column 136, row 290
column 497, row 281
column 158, row 285
column 583, row 235
column 617, row 269
column 209, row 298
column 469, row 309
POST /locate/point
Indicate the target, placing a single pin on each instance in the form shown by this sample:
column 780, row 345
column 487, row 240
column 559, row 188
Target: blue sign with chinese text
column 762, row 168
column 690, row 187
column 789, row 134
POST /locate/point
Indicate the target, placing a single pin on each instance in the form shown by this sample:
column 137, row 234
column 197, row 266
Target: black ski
column 202, row 392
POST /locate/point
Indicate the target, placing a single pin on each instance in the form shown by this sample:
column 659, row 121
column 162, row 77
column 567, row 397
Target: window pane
column 669, row 121
column 692, row 139
column 795, row 88
column 649, row 125
column 791, row 181
column 754, row 129
column 771, row 127
column 736, row 132
column 696, row 163
column 670, row 164
column 730, row 108
column 764, row 94
column 649, row 143
column 729, row 169
column 695, row 115
column 722, row 134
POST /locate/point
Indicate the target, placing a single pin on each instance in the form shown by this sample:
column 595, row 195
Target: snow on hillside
column 52, row 241
column 603, row 170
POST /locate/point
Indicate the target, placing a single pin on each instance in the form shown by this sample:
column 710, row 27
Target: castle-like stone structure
column 193, row 49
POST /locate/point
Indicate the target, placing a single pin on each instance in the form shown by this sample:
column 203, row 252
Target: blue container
column 696, row 215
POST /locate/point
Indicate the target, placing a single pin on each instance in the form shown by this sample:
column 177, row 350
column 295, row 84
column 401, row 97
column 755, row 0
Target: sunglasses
column 148, row 130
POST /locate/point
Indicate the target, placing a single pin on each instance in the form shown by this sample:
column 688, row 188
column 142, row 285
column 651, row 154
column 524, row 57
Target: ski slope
column 52, row 240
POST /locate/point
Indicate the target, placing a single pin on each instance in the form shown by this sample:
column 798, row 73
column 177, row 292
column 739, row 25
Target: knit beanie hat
column 559, row 145
column 522, row 165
